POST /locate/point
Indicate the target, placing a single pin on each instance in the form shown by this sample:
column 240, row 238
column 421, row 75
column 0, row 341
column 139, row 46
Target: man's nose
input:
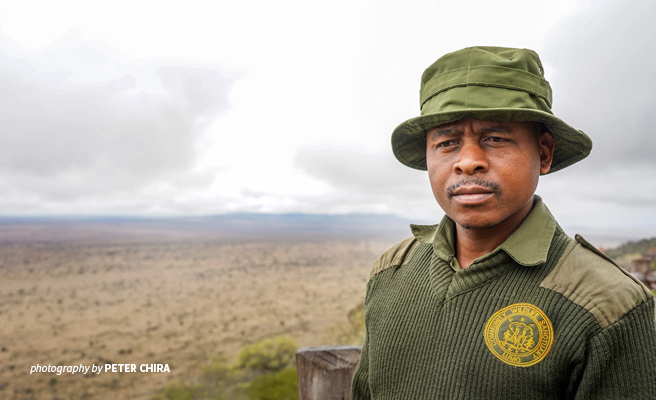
column 472, row 159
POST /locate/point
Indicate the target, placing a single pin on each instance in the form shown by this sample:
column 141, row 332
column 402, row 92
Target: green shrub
column 216, row 371
column 351, row 331
column 281, row 385
column 261, row 373
column 273, row 354
column 182, row 391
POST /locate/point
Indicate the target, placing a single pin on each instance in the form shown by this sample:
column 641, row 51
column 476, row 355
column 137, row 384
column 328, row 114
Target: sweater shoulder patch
column 395, row 256
column 594, row 281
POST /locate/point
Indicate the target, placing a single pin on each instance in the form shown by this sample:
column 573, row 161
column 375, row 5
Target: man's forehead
column 485, row 126
column 482, row 124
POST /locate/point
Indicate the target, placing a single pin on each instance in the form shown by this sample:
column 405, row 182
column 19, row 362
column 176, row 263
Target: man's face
column 484, row 173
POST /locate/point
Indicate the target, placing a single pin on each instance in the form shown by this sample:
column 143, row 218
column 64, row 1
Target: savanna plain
column 98, row 292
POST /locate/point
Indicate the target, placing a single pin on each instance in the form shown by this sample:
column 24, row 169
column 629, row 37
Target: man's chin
column 480, row 220
column 476, row 225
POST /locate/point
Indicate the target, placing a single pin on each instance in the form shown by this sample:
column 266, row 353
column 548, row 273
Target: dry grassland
column 72, row 297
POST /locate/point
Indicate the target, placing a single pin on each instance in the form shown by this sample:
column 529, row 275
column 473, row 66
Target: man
column 497, row 302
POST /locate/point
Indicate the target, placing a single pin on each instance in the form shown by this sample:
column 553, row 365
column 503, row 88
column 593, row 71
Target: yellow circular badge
column 519, row 335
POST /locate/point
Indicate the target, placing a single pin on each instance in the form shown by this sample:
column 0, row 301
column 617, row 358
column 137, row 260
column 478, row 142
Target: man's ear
column 547, row 144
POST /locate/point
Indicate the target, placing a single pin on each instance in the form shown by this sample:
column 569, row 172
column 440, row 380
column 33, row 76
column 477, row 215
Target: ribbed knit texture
column 425, row 336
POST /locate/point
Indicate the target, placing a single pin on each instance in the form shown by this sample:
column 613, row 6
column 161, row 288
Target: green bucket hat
column 486, row 83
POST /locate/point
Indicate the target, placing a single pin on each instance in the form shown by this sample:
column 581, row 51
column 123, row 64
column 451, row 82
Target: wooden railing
column 325, row 372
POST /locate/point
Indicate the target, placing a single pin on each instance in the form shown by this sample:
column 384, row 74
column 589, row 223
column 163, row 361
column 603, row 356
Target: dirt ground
column 85, row 297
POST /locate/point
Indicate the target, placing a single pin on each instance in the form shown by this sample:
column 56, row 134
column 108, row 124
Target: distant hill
column 236, row 227
column 637, row 247
column 233, row 227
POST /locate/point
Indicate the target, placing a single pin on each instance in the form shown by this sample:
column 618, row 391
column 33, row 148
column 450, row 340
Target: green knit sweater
column 543, row 316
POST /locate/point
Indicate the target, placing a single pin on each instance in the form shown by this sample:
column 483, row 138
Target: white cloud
column 306, row 126
column 81, row 120
column 602, row 81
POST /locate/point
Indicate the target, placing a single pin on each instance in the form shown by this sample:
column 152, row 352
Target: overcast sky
column 204, row 107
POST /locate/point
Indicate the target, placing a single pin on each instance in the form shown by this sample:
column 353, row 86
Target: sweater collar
column 528, row 245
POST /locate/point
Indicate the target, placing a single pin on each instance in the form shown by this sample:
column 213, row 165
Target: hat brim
column 409, row 138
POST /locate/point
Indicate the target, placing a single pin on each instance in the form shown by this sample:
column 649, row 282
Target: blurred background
column 180, row 181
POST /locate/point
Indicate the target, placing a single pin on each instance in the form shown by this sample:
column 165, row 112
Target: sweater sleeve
column 621, row 359
column 360, row 384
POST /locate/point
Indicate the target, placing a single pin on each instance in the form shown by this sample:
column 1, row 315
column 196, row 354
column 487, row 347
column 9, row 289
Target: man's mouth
column 472, row 192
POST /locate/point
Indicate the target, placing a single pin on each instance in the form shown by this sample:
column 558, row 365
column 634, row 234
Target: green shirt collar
column 528, row 245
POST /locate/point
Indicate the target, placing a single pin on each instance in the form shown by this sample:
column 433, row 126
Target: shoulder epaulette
column 395, row 256
column 594, row 281
column 591, row 247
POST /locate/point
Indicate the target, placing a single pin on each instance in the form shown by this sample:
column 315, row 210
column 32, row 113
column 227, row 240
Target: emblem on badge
column 519, row 335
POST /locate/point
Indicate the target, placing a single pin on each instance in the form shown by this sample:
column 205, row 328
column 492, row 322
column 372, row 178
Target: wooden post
column 325, row 372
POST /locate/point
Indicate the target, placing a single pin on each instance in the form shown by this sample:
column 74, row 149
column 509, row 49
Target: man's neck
column 472, row 243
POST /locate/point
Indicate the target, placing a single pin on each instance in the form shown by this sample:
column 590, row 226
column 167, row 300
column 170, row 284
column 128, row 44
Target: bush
column 352, row 331
column 261, row 373
column 281, row 385
column 182, row 391
column 216, row 371
column 272, row 354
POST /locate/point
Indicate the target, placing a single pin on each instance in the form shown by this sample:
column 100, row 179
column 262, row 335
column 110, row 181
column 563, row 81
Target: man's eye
column 496, row 139
column 446, row 143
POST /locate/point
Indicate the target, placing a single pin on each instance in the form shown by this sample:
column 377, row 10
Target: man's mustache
column 472, row 181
